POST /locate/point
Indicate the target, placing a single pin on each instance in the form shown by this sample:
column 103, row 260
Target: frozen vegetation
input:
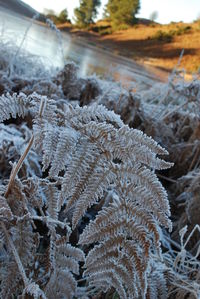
column 99, row 185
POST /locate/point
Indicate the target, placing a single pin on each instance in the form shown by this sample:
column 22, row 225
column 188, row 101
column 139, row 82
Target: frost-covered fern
column 87, row 153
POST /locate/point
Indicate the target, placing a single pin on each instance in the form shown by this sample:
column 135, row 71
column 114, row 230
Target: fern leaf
column 13, row 105
column 51, row 194
column 45, row 117
column 140, row 194
column 157, row 284
column 69, row 263
column 105, row 280
column 126, row 144
column 10, row 280
column 62, row 282
column 138, row 137
column 49, row 145
column 94, row 112
column 144, row 187
column 99, row 180
column 61, row 285
column 97, row 153
column 68, row 257
column 2, row 239
column 66, row 142
column 119, row 267
column 5, row 211
column 20, row 104
column 34, row 290
column 118, row 228
column 25, row 241
column 70, row 251
column 79, row 170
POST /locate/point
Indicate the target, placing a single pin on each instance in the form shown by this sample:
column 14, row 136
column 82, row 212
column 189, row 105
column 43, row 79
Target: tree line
column 118, row 12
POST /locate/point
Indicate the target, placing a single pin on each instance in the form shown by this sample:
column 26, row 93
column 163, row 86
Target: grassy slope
column 144, row 43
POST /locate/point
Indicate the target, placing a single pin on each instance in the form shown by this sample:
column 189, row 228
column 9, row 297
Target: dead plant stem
column 16, row 255
column 18, row 166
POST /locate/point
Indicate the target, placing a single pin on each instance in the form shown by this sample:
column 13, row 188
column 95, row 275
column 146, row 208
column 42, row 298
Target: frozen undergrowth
column 167, row 112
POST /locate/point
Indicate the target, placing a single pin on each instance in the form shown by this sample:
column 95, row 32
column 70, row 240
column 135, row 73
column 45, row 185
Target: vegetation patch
column 84, row 185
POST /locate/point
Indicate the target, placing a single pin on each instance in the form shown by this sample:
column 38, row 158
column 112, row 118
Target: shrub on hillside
column 162, row 36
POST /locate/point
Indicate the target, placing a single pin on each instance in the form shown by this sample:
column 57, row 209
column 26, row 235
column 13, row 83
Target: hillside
column 18, row 6
column 154, row 44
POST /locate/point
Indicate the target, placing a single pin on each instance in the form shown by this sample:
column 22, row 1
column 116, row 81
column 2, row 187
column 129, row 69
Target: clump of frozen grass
column 17, row 61
column 12, row 61
column 184, row 267
column 51, row 24
column 24, row 64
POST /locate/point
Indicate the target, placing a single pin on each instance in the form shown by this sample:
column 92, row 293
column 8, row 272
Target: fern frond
column 34, row 290
column 157, row 283
column 69, row 263
column 119, row 270
column 10, row 280
column 51, row 136
column 80, row 169
column 140, row 194
column 112, row 221
column 61, row 285
column 99, row 153
column 25, row 241
column 144, row 187
column 73, row 252
column 62, row 282
column 20, row 104
column 94, row 112
column 126, row 144
column 138, row 137
column 118, row 228
column 100, row 179
column 51, row 193
column 119, row 261
column 5, row 211
column 13, row 105
column 64, row 147
column 44, row 118
column 105, row 136
column 99, row 138
column 105, row 279
column 110, row 245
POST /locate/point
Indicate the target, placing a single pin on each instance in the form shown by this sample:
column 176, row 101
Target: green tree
column 63, row 16
column 122, row 12
column 57, row 19
column 86, row 12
